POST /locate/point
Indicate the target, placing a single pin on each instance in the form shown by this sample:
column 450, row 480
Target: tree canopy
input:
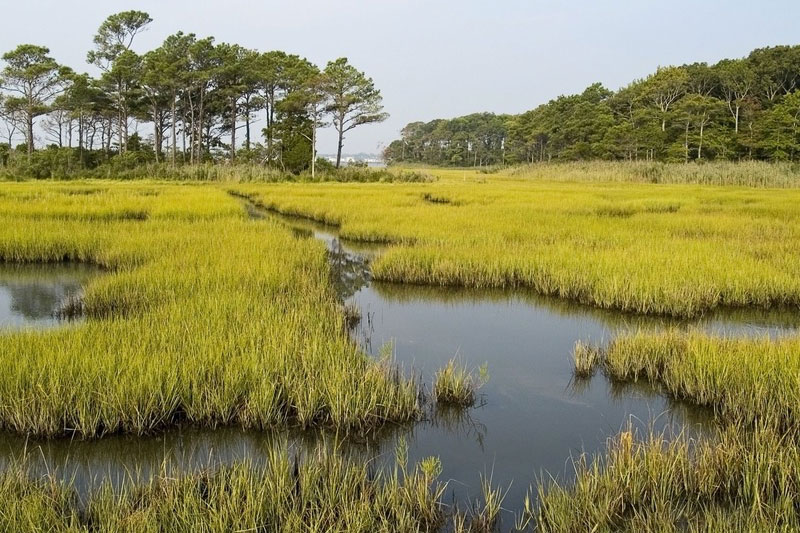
column 735, row 109
column 199, row 98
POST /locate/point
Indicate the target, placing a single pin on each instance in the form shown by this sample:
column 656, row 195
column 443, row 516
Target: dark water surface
column 532, row 416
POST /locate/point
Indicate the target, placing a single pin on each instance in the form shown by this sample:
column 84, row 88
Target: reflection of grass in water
column 786, row 318
column 45, row 291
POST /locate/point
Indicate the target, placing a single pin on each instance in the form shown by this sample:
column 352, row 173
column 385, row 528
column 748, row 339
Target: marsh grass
column 456, row 385
column 662, row 249
column 321, row 492
column 736, row 481
column 748, row 382
column 202, row 317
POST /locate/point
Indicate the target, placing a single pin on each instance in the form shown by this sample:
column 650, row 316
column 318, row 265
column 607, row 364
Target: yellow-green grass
column 456, row 385
column 736, row 173
column 737, row 481
column 322, row 492
column 661, row 249
column 203, row 316
column 747, row 381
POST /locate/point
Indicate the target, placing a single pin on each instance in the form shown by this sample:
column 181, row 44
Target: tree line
column 736, row 109
column 199, row 98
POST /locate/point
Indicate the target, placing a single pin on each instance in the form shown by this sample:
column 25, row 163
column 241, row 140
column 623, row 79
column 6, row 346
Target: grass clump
column 737, row 481
column 748, row 382
column 587, row 358
column 455, row 385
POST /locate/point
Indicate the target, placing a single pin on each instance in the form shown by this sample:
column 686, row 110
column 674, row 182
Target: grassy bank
column 661, row 249
column 749, row 382
column 738, row 481
column 202, row 316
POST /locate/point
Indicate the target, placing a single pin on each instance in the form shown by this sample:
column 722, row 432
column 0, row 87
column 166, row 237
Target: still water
column 532, row 416
column 36, row 295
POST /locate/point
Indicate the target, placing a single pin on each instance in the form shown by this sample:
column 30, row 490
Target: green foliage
column 736, row 109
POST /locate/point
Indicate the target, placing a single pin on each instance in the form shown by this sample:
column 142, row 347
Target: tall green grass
column 737, row 481
column 203, row 316
column 680, row 250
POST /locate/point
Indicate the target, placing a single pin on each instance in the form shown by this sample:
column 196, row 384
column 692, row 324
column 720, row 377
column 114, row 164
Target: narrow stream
column 531, row 419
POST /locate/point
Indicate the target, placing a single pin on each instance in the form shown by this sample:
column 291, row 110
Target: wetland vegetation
column 250, row 338
column 248, row 326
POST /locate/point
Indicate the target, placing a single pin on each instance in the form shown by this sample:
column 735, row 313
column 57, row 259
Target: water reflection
column 31, row 295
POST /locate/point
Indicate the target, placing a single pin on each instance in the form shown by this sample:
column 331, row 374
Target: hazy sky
column 439, row 58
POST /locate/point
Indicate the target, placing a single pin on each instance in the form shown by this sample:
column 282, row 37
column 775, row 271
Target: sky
column 438, row 58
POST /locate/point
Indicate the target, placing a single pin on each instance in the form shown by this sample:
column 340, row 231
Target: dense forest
column 736, row 109
column 190, row 100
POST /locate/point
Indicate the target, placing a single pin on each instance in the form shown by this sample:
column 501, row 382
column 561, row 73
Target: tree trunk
column 247, row 132
column 341, row 142
column 30, row 135
column 233, row 130
column 700, row 144
column 313, row 145
column 200, row 117
column 686, row 141
column 174, row 133
column 156, row 135
column 80, row 138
